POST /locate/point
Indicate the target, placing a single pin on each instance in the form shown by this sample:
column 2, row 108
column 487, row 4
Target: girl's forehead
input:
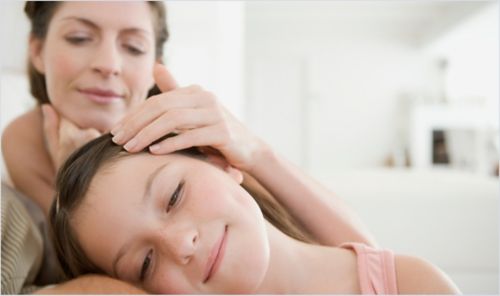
column 139, row 164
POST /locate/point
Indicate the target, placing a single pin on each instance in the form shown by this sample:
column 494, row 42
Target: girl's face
column 173, row 224
column 98, row 60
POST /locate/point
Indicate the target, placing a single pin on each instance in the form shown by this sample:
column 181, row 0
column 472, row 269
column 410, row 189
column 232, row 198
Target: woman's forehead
column 119, row 15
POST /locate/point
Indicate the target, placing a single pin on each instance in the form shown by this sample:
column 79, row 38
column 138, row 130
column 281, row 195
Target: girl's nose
column 179, row 242
column 107, row 60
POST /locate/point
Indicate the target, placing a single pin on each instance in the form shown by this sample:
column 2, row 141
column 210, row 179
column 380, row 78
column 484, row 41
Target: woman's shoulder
column 22, row 139
column 23, row 128
column 418, row 276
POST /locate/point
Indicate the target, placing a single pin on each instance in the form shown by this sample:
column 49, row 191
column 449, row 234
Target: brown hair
column 73, row 181
column 40, row 14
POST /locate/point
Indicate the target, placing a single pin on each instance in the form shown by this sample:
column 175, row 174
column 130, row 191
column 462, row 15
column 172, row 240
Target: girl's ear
column 221, row 162
column 35, row 52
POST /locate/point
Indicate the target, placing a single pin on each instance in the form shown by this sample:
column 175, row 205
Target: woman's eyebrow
column 145, row 199
column 81, row 20
column 95, row 26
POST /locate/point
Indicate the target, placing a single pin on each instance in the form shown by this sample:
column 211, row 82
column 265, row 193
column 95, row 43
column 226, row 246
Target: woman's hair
column 40, row 14
column 72, row 184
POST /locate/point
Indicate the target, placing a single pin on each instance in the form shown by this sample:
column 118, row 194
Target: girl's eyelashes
column 176, row 196
column 174, row 200
column 145, row 265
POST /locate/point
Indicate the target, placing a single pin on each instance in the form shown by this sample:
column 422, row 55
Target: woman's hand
column 62, row 137
column 197, row 118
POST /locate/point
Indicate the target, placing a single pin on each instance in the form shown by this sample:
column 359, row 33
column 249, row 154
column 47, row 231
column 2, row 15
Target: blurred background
column 394, row 105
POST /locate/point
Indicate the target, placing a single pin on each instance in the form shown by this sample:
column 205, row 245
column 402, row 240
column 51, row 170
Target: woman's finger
column 150, row 110
column 164, row 80
column 68, row 133
column 204, row 136
column 177, row 120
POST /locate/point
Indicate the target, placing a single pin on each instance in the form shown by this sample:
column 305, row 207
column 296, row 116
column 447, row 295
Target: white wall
column 471, row 49
column 331, row 86
column 346, row 77
column 471, row 81
column 206, row 48
column 333, row 92
column 14, row 32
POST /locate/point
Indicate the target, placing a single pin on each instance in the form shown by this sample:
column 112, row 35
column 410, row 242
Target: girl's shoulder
column 418, row 276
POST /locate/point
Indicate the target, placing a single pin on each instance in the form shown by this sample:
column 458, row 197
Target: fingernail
column 118, row 137
column 115, row 130
column 130, row 144
column 154, row 148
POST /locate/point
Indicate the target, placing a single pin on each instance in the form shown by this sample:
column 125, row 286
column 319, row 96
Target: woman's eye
column 174, row 199
column 145, row 265
column 134, row 50
column 77, row 40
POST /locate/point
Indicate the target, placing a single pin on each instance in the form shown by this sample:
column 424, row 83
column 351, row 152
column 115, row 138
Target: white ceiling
column 426, row 19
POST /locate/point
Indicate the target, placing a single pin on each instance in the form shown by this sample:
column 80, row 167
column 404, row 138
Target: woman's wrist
column 262, row 156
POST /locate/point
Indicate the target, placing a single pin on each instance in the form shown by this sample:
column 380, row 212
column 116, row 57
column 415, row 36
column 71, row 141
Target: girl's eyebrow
column 145, row 199
column 149, row 182
column 95, row 26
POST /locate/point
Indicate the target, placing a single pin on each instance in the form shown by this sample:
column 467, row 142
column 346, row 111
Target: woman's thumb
column 164, row 80
column 50, row 124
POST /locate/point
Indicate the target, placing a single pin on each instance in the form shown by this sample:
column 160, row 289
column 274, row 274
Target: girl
column 90, row 63
column 172, row 220
column 181, row 223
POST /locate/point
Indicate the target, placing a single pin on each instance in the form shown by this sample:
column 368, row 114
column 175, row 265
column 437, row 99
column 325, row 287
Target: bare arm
column 27, row 161
column 325, row 215
column 33, row 147
column 92, row 284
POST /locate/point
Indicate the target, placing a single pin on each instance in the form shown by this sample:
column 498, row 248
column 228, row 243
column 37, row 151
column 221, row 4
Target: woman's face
column 173, row 224
column 98, row 60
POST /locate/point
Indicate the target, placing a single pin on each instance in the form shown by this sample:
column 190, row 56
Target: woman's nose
column 180, row 242
column 107, row 60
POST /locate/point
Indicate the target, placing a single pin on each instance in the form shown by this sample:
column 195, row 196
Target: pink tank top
column 376, row 269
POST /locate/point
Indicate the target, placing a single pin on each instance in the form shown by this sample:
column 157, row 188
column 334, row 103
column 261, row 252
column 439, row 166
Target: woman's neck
column 297, row 267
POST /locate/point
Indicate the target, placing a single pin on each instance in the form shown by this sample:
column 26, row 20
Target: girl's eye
column 175, row 197
column 145, row 265
column 77, row 40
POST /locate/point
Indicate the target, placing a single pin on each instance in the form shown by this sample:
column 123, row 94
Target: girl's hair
column 72, row 184
column 40, row 14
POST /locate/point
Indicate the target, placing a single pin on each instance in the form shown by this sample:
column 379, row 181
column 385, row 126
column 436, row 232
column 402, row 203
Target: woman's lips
column 100, row 96
column 216, row 256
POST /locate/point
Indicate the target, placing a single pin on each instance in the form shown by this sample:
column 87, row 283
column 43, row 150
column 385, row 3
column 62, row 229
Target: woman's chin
column 103, row 125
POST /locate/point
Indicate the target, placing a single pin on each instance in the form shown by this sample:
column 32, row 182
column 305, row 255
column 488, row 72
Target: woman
column 91, row 63
column 180, row 223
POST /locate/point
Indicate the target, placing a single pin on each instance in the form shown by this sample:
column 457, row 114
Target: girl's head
column 160, row 221
column 94, row 60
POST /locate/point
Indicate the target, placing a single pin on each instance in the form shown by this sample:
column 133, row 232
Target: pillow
column 28, row 259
